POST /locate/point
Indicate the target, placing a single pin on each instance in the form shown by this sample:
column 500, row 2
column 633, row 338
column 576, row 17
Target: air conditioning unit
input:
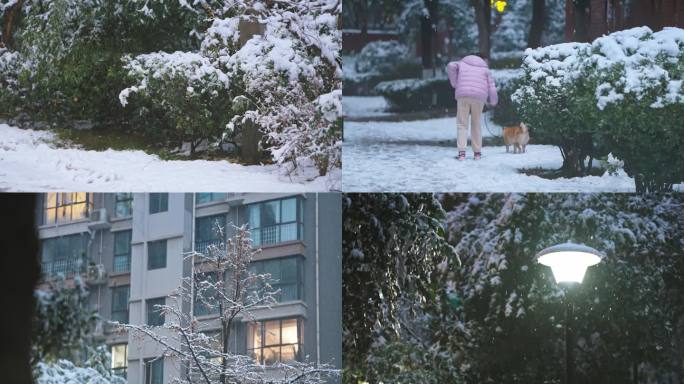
column 96, row 273
column 99, row 219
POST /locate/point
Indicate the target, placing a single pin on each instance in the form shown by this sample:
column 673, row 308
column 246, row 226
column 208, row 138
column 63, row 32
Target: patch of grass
column 121, row 140
column 552, row 174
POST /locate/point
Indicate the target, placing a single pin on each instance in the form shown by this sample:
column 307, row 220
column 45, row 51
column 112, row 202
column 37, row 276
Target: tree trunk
column 582, row 19
column 538, row 23
column 9, row 21
column 362, row 14
column 483, row 17
column 428, row 29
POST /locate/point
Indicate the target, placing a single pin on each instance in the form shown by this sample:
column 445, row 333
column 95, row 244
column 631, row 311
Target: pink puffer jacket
column 470, row 77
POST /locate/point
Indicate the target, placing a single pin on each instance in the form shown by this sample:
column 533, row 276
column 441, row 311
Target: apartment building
column 130, row 248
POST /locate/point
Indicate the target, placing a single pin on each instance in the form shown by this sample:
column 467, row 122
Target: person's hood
column 475, row 61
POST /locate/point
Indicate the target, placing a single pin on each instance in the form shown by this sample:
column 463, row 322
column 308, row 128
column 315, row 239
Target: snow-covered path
column 420, row 156
column 30, row 162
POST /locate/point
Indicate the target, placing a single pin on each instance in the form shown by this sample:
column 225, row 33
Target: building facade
column 130, row 248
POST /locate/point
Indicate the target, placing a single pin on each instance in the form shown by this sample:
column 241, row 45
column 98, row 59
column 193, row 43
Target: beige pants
column 469, row 107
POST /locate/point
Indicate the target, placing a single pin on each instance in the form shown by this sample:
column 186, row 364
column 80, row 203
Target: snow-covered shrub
column 624, row 90
column 65, row 372
column 385, row 56
column 556, row 100
column 417, row 94
column 10, row 70
column 411, row 362
column 639, row 77
column 184, row 90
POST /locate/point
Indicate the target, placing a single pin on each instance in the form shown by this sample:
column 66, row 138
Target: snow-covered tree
column 514, row 310
column 95, row 370
column 393, row 252
column 222, row 283
column 63, row 321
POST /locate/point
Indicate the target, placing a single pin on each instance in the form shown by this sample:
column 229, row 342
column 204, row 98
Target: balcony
column 202, row 245
column 65, row 267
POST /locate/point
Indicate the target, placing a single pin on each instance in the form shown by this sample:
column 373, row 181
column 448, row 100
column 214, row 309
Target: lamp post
column 569, row 263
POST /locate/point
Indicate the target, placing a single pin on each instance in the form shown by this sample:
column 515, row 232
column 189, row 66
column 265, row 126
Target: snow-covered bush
column 272, row 79
column 555, row 99
column 383, row 57
column 65, row 372
column 184, row 90
column 639, row 77
column 417, row 94
column 624, row 90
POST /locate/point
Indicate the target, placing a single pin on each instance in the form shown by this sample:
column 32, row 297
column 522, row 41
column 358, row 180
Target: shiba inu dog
column 517, row 136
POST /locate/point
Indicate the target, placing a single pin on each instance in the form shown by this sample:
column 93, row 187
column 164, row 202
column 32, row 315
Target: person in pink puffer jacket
column 474, row 86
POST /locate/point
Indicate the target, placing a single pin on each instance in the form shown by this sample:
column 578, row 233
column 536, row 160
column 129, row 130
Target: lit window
column 120, row 296
column 64, row 255
column 122, row 251
column 156, row 254
column 205, row 231
column 154, row 371
column 287, row 275
column 203, row 198
column 154, row 315
column 276, row 221
column 275, row 340
column 123, row 205
column 159, row 202
column 119, row 360
column 65, row 207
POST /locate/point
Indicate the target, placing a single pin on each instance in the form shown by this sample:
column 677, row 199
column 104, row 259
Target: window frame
column 162, row 245
column 149, row 309
column 202, row 244
column 127, row 255
column 276, row 282
column 212, row 197
column 257, row 232
column 149, row 363
column 159, row 202
column 119, row 371
column 125, row 198
column 64, row 201
column 261, row 324
column 115, row 309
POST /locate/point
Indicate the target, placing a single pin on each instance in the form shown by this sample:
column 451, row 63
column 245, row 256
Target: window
column 159, row 202
column 64, row 255
column 119, row 360
column 122, row 251
column 154, row 371
column 120, row 296
column 123, row 205
column 203, row 198
column 275, row 340
column 154, row 315
column 156, row 254
column 276, row 221
column 206, row 300
column 205, row 232
column 287, row 274
column 65, row 207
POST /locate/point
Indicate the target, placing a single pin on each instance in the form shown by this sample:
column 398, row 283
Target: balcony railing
column 202, row 245
column 65, row 267
column 275, row 234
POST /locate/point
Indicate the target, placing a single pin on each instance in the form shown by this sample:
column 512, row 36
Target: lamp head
column 569, row 262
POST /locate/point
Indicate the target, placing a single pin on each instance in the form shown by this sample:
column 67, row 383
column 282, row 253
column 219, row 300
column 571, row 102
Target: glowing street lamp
column 569, row 262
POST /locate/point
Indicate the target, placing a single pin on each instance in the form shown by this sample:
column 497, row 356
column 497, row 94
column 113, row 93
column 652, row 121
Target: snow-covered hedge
column 622, row 90
column 66, row 372
column 381, row 56
column 417, row 94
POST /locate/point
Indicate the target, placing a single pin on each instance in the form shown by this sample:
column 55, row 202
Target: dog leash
column 486, row 124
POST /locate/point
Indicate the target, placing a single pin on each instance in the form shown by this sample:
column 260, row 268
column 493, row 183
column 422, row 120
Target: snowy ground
column 364, row 106
column 421, row 156
column 29, row 161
